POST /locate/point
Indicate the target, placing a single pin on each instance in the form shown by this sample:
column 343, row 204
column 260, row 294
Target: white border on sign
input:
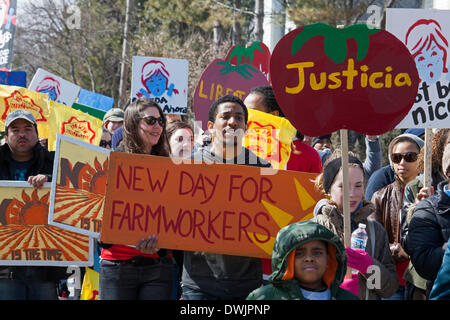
column 60, row 137
column 90, row 262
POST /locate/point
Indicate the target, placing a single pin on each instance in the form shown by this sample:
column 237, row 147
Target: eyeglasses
column 150, row 120
column 408, row 156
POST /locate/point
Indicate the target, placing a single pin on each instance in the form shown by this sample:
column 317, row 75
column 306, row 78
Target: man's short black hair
column 270, row 102
column 228, row 98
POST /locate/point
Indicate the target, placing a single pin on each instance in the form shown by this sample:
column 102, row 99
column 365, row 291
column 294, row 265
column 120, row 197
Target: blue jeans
column 26, row 284
column 400, row 294
column 195, row 294
column 126, row 281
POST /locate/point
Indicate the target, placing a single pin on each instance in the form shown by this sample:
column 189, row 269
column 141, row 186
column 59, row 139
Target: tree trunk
column 125, row 59
column 236, row 37
column 259, row 9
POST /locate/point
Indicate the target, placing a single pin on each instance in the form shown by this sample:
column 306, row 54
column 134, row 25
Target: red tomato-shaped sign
column 257, row 54
column 357, row 78
column 221, row 78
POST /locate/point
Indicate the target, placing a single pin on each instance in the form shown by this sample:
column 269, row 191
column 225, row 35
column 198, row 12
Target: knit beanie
column 332, row 168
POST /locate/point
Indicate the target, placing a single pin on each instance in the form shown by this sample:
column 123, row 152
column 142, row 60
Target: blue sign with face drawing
column 162, row 80
column 426, row 33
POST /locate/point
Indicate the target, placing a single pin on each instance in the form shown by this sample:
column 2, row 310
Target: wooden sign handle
column 427, row 158
column 346, row 200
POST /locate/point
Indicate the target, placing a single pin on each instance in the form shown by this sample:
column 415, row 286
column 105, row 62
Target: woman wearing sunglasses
column 403, row 153
column 143, row 272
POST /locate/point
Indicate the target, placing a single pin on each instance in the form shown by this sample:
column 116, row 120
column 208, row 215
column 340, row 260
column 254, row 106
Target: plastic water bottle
column 359, row 239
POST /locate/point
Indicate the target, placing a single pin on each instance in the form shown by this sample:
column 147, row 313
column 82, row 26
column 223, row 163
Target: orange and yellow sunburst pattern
column 79, row 193
column 83, row 206
column 25, row 234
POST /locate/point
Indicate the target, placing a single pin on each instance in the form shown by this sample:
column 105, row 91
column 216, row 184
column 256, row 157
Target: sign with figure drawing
column 163, row 80
column 426, row 33
column 58, row 89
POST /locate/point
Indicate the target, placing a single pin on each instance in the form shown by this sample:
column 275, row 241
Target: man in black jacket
column 22, row 158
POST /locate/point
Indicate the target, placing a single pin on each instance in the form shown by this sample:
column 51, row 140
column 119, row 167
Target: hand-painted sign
column 163, row 80
column 357, row 78
column 73, row 123
column 97, row 113
column 426, row 33
column 13, row 98
column 257, row 55
column 221, row 78
column 78, row 189
column 25, row 236
column 13, row 78
column 58, row 89
column 7, row 31
column 95, row 100
column 229, row 209
column 269, row 137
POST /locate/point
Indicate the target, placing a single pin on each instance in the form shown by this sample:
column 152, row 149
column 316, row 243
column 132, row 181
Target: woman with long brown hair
column 143, row 272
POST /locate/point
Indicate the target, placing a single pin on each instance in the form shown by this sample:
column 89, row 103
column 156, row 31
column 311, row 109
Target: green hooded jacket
column 283, row 285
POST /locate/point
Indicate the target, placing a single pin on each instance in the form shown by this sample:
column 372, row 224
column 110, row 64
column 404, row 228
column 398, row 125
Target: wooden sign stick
column 346, row 200
column 427, row 158
column 346, row 204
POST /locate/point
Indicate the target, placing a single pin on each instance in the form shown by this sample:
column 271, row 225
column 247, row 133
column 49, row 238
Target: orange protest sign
column 221, row 208
column 25, row 236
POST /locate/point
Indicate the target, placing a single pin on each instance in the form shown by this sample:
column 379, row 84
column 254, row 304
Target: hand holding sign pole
column 355, row 78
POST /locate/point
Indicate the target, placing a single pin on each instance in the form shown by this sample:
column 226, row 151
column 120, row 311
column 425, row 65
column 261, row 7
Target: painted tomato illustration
column 357, row 78
column 222, row 78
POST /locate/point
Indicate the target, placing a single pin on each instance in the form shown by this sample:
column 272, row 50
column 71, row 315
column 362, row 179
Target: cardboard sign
column 269, row 137
column 257, row 55
column 13, row 78
column 25, row 236
column 221, row 78
column 97, row 113
column 78, row 187
column 58, row 89
column 357, row 78
column 163, row 80
column 13, row 98
column 73, row 123
column 229, row 209
column 426, row 33
column 95, row 100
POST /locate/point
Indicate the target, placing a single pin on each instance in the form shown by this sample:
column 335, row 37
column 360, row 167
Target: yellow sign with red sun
column 221, row 208
column 25, row 236
column 269, row 137
column 73, row 123
column 78, row 187
column 13, row 98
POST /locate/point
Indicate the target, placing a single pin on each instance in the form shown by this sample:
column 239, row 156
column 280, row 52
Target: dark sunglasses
column 408, row 156
column 104, row 143
column 150, row 120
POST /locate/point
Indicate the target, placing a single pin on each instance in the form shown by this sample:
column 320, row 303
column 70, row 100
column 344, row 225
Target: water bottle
column 359, row 239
